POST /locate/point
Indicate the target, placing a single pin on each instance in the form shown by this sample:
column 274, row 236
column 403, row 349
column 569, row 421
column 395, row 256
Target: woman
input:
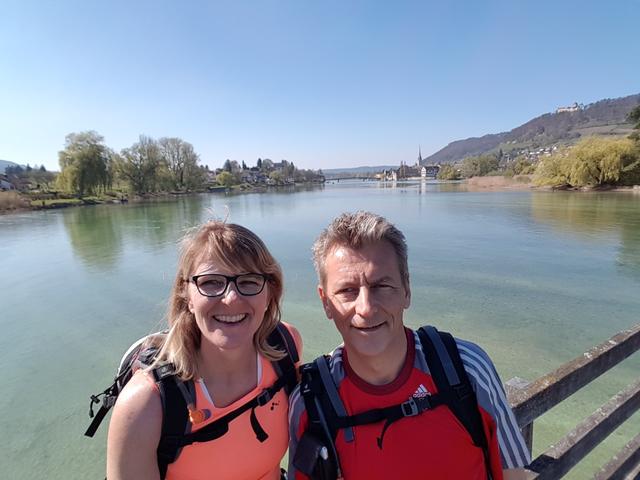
column 224, row 304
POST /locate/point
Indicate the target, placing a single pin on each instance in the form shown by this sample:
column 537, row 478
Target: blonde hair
column 355, row 230
column 235, row 248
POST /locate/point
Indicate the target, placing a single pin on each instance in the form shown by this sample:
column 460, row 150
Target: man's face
column 364, row 295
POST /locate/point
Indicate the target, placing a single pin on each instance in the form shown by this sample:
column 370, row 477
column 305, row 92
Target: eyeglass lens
column 215, row 285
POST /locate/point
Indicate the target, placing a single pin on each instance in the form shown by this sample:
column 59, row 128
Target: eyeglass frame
column 229, row 279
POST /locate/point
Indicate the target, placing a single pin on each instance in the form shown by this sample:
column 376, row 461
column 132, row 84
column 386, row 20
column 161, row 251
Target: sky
column 324, row 84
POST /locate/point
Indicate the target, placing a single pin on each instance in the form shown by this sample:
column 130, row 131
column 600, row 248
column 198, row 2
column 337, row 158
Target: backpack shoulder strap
column 451, row 379
column 176, row 425
column 281, row 339
column 316, row 455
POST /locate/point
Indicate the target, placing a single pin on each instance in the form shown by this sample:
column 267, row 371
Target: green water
column 535, row 278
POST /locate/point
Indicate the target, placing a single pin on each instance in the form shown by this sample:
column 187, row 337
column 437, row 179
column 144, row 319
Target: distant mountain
column 332, row 172
column 6, row 163
column 606, row 117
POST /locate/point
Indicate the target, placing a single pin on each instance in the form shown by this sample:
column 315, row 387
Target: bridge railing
column 530, row 400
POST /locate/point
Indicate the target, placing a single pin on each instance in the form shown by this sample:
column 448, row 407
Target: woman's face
column 228, row 321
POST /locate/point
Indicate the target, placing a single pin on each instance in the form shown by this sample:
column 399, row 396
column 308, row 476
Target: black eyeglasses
column 215, row 285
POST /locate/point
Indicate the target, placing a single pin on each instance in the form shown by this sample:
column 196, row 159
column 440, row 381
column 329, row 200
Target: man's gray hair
column 356, row 230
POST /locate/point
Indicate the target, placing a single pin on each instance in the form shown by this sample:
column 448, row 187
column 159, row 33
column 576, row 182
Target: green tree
column 522, row 166
column 83, row 163
column 448, row 172
column 140, row 165
column 479, row 166
column 277, row 177
column 226, row 179
column 591, row 162
column 181, row 162
column 634, row 117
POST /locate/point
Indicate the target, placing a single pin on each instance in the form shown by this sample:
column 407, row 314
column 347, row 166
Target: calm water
column 536, row 278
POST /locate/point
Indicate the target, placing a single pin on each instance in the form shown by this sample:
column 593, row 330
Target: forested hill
column 6, row 163
column 605, row 117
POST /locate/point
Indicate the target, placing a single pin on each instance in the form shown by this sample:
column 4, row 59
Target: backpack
column 177, row 396
column 316, row 454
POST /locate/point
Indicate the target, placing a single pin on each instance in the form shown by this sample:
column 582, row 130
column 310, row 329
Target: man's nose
column 365, row 303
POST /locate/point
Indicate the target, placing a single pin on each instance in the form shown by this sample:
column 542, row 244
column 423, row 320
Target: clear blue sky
column 323, row 84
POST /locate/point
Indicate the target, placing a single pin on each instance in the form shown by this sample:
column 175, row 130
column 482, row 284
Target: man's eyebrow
column 384, row 278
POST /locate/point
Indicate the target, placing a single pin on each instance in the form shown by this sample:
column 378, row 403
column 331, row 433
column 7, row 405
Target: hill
column 354, row 171
column 605, row 117
column 6, row 163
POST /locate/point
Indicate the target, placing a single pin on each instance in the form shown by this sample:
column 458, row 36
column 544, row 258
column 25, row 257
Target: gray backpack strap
column 332, row 394
column 445, row 358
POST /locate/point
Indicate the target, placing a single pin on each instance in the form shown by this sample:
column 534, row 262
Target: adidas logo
column 420, row 392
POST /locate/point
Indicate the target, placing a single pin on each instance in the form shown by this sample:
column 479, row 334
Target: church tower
column 419, row 156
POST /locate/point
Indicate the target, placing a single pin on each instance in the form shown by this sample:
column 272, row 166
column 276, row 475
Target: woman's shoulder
column 139, row 405
column 134, row 430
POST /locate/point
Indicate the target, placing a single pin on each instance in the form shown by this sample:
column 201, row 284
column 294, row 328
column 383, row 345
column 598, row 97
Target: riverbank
column 525, row 182
column 14, row 202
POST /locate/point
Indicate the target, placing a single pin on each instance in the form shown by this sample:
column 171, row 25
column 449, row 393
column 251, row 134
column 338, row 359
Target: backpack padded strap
column 281, row 339
column 174, row 426
column 460, row 397
column 443, row 354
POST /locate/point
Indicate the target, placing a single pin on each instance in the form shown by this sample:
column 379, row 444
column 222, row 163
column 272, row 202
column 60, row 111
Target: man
column 377, row 412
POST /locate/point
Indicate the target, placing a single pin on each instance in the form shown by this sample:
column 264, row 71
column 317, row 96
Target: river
column 536, row 278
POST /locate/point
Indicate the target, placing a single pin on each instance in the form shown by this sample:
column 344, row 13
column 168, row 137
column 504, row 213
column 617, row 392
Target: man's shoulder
column 475, row 360
column 335, row 366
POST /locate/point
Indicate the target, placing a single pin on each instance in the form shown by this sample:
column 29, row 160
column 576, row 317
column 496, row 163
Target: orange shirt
column 238, row 455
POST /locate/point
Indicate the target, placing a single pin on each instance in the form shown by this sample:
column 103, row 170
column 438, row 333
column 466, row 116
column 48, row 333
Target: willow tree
column 591, row 162
column 84, row 163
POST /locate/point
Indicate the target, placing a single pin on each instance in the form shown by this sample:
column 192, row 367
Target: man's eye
column 347, row 292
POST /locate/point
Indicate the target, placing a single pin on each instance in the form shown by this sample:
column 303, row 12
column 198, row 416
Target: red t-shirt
column 431, row 445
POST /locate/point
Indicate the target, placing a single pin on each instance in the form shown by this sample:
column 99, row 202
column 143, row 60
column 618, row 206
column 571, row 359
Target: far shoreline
column 475, row 184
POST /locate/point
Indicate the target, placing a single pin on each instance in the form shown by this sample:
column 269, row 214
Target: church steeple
column 419, row 155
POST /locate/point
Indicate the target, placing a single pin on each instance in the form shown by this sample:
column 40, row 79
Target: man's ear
column 325, row 302
column 407, row 299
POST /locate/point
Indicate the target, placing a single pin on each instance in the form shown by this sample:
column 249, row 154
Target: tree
column 634, row 117
column 140, row 165
column 83, row 163
column 226, row 179
column 448, row 172
column 522, row 166
column 244, row 165
column 479, row 166
column 181, row 161
column 591, row 162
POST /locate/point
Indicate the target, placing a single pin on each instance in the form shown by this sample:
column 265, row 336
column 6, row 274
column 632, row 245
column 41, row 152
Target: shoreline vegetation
column 92, row 173
column 14, row 202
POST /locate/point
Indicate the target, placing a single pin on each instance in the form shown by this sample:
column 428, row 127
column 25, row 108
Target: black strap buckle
column 409, row 408
column 264, row 398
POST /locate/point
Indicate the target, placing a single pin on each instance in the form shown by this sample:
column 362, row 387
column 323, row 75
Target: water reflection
column 99, row 234
column 595, row 216
column 95, row 235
